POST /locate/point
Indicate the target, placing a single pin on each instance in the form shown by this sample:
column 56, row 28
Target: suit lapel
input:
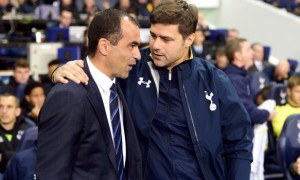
column 96, row 101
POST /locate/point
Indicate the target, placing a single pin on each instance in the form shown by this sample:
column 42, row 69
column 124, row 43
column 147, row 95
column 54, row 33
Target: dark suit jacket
column 74, row 140
column 254, row 69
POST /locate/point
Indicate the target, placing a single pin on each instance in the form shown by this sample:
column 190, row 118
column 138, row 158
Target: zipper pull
column 170, row 75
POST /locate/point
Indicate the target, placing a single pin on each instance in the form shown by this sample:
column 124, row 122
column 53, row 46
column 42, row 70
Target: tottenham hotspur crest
column 212, row 105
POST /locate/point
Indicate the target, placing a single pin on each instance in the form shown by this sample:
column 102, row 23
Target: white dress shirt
column 259, row 65
column 104, row 83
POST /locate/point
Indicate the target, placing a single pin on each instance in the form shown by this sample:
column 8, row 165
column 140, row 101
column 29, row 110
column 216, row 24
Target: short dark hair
column 106, row 24
column 233, row 46
column 176, row 12
column 68, row 9
column 32, row 85
column 8, row 94
column 293, row 81
column 21, row 63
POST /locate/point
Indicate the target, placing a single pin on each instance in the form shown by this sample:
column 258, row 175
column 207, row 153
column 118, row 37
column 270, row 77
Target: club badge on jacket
column 212, row 105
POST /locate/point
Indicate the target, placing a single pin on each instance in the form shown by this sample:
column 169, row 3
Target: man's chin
column 124, row 76
column 158, row 63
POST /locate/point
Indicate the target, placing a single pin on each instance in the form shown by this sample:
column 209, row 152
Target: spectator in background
column 232, row 34
column 34, row 100
column 200, row 47
column 89, row 18
column 221, row 61
column 127, row 6
column 68, row 4
column 29, row 6
column 89, row 7
column 12, row 127
column 292, row 106
column 279, row 73
column 141, row 6
column 240, row 56
column 46, row 79
column 201, row 22
column 65, row 18
column 259, row 63
column 21, row 76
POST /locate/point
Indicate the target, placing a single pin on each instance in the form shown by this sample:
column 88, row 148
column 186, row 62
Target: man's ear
column 103, row 46
column 189, row 40
column 27, row 98
column 18, row 112
column 237, row 55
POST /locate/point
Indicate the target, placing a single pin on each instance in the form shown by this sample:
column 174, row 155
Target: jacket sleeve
column 257, row 116
column 12, row 169
column 236, row 130
column 58, row 137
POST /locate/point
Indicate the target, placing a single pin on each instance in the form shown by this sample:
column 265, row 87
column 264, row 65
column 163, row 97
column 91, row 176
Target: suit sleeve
column 236, row 130
column 60, row 122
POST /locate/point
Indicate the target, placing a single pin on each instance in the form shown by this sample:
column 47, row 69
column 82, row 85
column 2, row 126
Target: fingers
column 72, row 71
column 69, row 71
column 80, row 73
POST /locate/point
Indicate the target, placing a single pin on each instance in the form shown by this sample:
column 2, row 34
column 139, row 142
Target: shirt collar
column 100, row 78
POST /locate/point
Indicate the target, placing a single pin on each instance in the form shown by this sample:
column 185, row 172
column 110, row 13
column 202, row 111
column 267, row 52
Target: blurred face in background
column 232, row 34
column 282, row 69
column 36, row 97
column 258, row 52
column 21, row 75
column 9, row 110
column 221, row 61
column 294, row 96
column 66, row 18
column 245, row 54
column 3, row 3
column 66, row 2
column 124, row 4
column 89, row 3
column 199, row 37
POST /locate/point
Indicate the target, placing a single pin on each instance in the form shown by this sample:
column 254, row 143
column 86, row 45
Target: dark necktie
column 116, row 126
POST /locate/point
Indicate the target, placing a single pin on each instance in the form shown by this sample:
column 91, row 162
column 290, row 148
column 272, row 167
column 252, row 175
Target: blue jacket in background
column 239, row 79
column 22, row 165
column 220, row 135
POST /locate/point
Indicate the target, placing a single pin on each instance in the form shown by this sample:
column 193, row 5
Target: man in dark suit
column 85, row 131
column 259, row 63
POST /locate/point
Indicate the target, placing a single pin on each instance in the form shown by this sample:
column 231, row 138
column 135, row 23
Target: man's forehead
column 8, row 100
column 167, row 30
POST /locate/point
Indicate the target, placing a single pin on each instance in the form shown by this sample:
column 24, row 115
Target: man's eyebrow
column 163, row 37
column 135, row 43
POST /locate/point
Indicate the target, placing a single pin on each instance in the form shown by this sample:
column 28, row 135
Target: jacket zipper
column 195, row 131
